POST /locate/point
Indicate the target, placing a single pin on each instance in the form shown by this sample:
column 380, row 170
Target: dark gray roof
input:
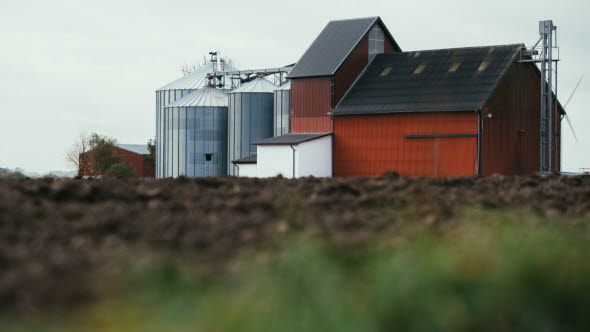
column 289, row 139
column 435, row 89
column 248, row 160
column 329, row 50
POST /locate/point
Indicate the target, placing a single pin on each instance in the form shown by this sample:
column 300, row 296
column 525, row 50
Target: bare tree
column 79, row 147
column 186, row 68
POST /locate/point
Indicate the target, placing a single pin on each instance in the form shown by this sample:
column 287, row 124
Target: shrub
column 121, row 170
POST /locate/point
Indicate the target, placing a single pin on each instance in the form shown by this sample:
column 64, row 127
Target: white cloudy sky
column 73, row 65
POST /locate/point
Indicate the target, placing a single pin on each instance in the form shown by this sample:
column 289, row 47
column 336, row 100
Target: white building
column 246, row 166
column 290, row 155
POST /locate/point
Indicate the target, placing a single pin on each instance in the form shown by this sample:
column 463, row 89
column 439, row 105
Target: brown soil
column 58, row 238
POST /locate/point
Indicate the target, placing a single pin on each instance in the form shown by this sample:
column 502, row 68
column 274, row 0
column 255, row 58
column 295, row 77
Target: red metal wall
column 374, row 144
column 137, row 161
column 310, row 102
column 389, row 48
column 510, row 138
column 351, row 69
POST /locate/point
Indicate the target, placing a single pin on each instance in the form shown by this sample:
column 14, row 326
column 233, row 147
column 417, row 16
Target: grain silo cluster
column 355, row 104
column 167, row 95
column 203, row 122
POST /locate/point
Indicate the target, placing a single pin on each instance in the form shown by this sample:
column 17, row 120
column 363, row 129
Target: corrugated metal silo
column 174, row 91
column 250, row 118
column 194, row 135
column 282, row 110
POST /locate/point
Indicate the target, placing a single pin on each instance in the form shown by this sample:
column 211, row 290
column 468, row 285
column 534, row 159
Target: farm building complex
column 355, row 104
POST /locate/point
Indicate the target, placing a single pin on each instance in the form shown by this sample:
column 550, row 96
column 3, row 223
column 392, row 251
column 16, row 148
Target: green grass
column 489, row 272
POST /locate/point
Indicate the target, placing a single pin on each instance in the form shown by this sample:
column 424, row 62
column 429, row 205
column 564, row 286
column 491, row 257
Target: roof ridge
column 356, row 19
column 334, row 44
column 453, row 48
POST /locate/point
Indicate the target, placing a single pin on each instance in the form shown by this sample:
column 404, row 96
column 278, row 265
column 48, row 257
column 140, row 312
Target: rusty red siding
column 510, row 137
column 311, row 102
column 138, row 162
column 557, row 139
column 370, row 145
column 389, row 47
column 350, row 70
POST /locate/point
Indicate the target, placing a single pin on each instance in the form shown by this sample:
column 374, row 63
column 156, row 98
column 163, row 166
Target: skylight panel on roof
column 386, row 71
column 454, row 67
column 419, row 69
column 484, row 65
column 435, row 89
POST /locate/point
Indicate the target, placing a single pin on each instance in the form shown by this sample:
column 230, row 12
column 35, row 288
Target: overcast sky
column 71, row 65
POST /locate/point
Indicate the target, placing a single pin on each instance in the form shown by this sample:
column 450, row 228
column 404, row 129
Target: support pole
column 546, row 29
column 543, row 138
column 550, row 97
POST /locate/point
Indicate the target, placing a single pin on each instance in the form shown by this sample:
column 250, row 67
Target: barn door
column 454, row 156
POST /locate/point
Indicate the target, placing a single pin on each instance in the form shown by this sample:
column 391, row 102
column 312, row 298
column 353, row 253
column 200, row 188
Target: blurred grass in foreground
column 488, row 273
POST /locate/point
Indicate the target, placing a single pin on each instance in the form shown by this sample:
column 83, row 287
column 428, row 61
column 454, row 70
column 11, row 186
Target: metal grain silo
column 174, row 91
column 250, row 119
column 282, row 110
column 194, row 135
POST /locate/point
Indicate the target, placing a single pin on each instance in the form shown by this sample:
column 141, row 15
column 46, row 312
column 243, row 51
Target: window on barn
column 376, row 42
column 208, row 156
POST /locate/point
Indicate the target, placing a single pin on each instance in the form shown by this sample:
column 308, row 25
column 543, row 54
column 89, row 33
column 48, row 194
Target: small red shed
column 441, row 113
column 131, row 154
column 330, row 66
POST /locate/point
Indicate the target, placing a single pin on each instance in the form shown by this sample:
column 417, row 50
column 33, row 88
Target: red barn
column 435, row 113
column 440, row 113
column 329, row 67
column 131, row 154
